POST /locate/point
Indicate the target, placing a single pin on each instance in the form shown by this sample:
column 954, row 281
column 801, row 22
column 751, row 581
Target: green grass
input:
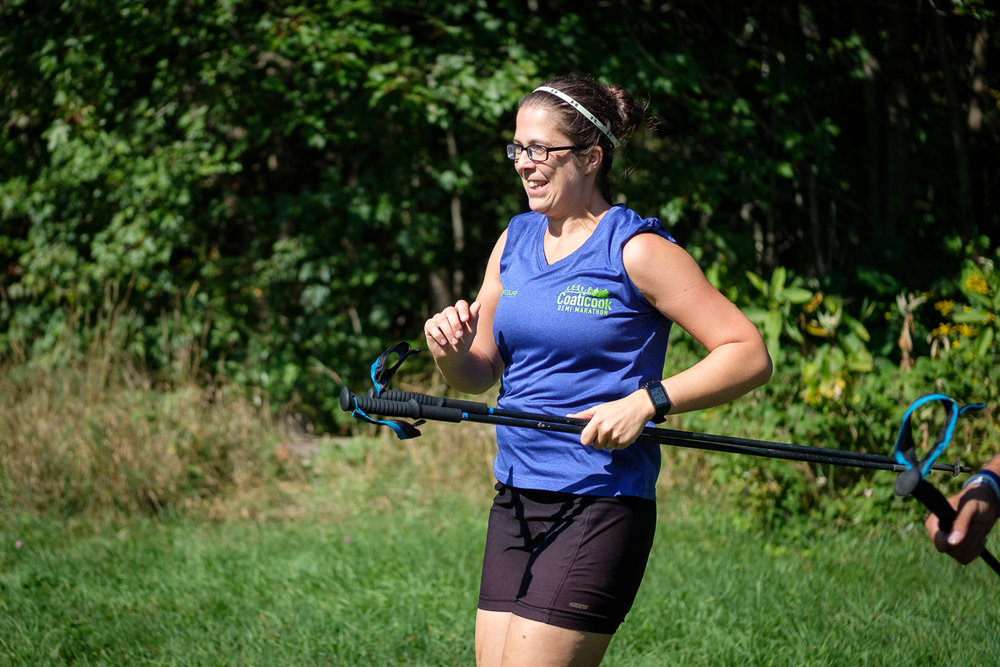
column 165, row 519
column 382, row 590
column 391, row 576
column 717, row 596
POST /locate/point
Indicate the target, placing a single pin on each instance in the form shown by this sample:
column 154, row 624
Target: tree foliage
column 288, row 189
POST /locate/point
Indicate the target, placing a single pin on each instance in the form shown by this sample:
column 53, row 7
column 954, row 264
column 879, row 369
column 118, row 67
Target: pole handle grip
column 471, row 407
column 410, row 409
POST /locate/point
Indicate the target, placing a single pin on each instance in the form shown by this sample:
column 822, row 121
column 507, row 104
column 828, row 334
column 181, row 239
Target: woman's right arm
column 460, row 337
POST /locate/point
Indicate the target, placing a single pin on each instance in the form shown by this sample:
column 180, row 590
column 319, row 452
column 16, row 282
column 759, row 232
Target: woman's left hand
column 975, row 513
column 616, row 424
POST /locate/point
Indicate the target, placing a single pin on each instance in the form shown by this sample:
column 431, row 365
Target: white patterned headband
column 579, row 107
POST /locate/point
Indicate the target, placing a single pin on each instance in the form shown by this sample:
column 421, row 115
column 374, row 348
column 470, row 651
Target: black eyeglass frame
column 514, row 151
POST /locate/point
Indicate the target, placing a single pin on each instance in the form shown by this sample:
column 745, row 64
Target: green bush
column 294, row 187
column 829, row 390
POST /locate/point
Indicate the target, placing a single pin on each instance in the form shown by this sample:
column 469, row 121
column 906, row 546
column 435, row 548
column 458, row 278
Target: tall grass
column 86, row 430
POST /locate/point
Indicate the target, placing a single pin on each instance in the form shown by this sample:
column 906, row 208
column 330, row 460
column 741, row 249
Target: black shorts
column 563, row 559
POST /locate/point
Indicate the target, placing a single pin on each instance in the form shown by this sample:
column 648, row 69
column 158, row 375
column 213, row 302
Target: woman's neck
column 585, row 221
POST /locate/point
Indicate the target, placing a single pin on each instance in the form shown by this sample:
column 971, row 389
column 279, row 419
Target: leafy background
column 273, row 193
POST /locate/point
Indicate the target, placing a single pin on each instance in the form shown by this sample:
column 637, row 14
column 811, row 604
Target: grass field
column 366, row 565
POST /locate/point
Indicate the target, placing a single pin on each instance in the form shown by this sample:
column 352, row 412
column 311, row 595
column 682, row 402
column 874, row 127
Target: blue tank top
column 574, row 334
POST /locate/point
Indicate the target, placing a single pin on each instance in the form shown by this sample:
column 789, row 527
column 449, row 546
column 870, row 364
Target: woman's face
column 558, row 187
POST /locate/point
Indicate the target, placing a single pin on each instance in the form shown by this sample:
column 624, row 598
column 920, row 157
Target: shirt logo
column 586, row 300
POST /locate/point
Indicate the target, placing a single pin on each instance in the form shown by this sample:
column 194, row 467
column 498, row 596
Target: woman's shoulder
column 628, row 223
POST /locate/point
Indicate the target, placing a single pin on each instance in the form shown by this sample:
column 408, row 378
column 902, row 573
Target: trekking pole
column 412, row 405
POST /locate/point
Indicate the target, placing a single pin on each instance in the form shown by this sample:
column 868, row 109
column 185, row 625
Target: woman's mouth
column 534, row 184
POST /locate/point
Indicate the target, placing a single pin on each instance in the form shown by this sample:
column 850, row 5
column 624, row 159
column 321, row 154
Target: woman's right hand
column 452, row 331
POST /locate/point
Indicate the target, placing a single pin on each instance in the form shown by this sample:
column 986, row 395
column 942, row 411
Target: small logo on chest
column 585, row 300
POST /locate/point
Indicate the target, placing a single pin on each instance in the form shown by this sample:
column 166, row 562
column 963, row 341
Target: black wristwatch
column 661, row 402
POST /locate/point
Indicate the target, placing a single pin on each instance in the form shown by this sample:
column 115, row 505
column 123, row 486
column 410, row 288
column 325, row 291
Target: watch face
column 660, row 399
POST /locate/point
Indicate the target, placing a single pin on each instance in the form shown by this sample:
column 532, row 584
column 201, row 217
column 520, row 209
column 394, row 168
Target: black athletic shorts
column 563, row 559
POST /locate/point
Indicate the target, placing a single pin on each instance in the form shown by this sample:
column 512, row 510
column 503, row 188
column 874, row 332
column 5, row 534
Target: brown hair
column 609, row 103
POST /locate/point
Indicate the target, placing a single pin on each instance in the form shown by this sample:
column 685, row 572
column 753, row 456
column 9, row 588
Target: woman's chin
column 538, row 204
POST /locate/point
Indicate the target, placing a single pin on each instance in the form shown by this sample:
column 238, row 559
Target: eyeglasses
column 537, row 152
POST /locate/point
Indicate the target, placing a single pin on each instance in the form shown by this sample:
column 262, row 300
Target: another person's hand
column 976, row 508
column 452, row 330
column 616, row 424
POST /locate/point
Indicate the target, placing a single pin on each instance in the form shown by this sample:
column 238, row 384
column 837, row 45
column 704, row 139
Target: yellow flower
column 977, row 283
column 944, row 307
column 942, row 329
column 965, row 331
column 814, row 302
column 814, row 329
column 834, row 389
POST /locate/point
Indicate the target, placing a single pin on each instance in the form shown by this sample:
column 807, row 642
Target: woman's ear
column 593, row 159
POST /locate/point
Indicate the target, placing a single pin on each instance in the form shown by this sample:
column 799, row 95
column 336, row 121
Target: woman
column 573, row 317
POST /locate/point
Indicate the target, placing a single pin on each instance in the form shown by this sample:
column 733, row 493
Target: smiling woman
column 573, row 318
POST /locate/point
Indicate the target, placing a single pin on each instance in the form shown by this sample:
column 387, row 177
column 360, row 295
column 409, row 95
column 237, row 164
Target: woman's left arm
column 737, row 359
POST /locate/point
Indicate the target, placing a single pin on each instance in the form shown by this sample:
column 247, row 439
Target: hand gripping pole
column 912, row 482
